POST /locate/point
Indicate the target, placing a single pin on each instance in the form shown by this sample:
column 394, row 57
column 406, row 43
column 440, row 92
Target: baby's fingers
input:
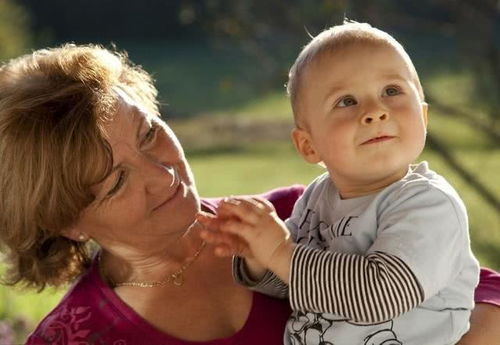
column 248, row 210
column 264, row 203
column 225, row 244
column 208, row 220
column 243, row 230
column 218, row 237
column 223, row 250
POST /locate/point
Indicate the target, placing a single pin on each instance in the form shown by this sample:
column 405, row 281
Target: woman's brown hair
column 53, row 107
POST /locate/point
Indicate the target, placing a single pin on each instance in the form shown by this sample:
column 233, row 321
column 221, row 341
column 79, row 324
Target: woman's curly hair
column 53, row 107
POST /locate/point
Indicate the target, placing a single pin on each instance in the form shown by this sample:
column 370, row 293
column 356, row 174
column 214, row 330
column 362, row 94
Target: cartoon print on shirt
column 314, row 328
column 313, row 237
column 342, row 228
column 308, row 326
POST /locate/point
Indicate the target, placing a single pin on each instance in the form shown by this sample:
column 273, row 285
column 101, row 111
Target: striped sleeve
column 372, row 288
column 270, row 284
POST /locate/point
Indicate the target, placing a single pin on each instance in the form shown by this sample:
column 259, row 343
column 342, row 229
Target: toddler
column 376, row 250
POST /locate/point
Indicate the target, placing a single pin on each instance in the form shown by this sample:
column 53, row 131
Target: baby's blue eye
column 391, row 91
column 347, row 101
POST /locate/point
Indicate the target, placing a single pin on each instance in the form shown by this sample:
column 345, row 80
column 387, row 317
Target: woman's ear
column 304, row 145
column 73, row 233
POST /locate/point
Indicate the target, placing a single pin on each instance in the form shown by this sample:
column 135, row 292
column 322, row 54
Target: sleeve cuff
column 269, row 284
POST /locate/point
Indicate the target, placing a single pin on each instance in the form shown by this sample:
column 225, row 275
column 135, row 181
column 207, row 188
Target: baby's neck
column 356, row 189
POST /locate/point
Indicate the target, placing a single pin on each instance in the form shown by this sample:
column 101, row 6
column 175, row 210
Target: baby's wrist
column 254, row 269
column 279, row 263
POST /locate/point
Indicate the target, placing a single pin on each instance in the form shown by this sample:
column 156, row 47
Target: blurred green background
column 220, row 67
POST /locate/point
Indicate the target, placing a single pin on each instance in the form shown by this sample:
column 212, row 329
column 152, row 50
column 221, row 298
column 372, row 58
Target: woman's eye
column 346, row 102
column 118, row 184
column 391, row 91
column 150, row 135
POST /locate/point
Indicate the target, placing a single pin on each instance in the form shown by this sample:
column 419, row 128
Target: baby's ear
column 304, row 145
column 425, row 109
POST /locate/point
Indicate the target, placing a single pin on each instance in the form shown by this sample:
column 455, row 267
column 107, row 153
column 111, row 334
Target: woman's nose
column 374, row 116
column 159, row 176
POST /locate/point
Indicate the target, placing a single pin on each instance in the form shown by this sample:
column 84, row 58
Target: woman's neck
column 151, row 262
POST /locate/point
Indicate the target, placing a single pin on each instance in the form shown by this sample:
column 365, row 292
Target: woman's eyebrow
column 138, row 121
column 138, row 118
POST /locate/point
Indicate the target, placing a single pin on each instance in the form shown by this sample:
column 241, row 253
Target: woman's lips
column 378, row 139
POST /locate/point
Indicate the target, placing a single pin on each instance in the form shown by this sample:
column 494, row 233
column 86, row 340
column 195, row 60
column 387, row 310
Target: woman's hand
column 484, row 326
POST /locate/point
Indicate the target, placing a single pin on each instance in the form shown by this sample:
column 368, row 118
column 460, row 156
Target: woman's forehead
column 125, row 100
column 124, row 125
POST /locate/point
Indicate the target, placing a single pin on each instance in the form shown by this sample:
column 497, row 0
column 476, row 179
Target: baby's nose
column 371, row 118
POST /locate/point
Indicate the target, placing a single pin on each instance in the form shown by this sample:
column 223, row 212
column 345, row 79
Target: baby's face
column 363, row 114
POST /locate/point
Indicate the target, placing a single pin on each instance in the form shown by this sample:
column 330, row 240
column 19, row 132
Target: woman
column 86, row 157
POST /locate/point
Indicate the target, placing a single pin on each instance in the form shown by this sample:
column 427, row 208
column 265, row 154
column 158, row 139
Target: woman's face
column 150, row 196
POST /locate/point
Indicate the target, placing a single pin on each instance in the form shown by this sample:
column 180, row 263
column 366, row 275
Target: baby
column 376, row 250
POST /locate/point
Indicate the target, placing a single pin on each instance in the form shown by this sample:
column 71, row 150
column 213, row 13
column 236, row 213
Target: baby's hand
column 225, row 244
column 254, row 221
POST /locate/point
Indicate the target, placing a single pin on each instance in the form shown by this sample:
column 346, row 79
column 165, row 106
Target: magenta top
column 91, row 313
column 488, row 290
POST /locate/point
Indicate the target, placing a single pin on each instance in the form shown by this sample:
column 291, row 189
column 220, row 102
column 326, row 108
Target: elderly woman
column 85, row 156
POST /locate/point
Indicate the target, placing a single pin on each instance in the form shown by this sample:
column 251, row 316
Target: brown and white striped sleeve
column 372, row 288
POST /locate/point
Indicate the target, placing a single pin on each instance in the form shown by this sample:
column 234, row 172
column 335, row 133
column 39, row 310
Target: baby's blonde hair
column 335, row 39
column 53, row 107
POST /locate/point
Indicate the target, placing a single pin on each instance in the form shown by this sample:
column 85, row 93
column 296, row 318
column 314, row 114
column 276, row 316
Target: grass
column 238, row 144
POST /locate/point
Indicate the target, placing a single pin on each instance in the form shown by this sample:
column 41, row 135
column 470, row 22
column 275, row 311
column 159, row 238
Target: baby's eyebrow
column 332, row 91
column 393, row 76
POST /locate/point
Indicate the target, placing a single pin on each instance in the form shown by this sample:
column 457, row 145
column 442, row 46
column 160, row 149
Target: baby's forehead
column 354, row 61
column 355, row 53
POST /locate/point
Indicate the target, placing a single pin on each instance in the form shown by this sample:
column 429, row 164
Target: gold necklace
column 176, row 278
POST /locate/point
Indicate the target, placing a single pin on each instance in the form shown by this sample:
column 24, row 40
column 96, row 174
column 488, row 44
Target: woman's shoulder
column 73, row 318
column 282, row 198
column 79, row 314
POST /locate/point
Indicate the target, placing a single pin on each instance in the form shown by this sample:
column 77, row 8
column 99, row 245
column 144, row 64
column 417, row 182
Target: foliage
column 15, row 36
column 272, row 32
column 478, row 24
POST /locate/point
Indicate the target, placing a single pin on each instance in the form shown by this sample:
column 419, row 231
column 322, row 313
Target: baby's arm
column 370, row 288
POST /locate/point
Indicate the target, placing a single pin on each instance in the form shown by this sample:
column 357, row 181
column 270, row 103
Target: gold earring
column 82, row 238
